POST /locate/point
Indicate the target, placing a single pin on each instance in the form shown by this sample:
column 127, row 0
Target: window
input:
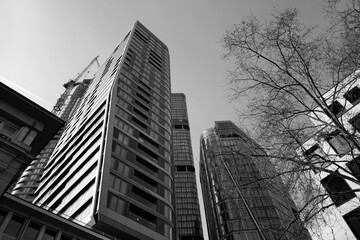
column 317, row 157
column 336, row 108
column 354, row 167
column 310, row 152
column 49, row 234
column 115, row 203
column 7, row 129
column 355, row 122
column 32, row 231
column 353, row 220
column 338, row 142
column 143, row 217
column 337, row 189
column 65, row 237
column 353, row 95
column 118, row 184
column 14, row 225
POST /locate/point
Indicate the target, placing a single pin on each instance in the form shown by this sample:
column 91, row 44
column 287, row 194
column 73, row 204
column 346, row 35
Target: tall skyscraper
column 74, row 89
column 238, row 203
column 112, row 168
column 187, row 204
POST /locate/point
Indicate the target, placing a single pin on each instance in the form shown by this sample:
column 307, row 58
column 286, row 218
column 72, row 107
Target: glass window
column 338, row 143
column 49, row 234
column 354, row 167
column 353, row 220
column 7, row 129
column 338, row 189
column 14, row 225
column 31, row 231
column 65, row 237
column 352, row 95
column 336, row 108
column 115, row 203
column 355, row 122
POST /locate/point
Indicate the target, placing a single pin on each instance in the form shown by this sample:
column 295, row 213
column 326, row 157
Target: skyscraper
column 238, row 204
column 186, row 197
column 112, row 168
column 74, row 89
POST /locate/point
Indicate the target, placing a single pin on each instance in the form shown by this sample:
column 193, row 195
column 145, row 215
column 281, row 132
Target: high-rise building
column 25, row 128
column 112, row 168
column 238, row 204
column 74, row 89
column 188, row 220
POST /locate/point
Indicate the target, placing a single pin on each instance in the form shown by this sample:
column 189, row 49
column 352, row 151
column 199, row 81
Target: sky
column 44, row 43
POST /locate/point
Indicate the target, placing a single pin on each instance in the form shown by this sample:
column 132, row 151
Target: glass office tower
column 112, row 167
column 240, row 202
column 188, row 219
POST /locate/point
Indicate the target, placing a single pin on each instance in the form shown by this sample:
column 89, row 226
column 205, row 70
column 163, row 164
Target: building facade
column 27, row 184
column 20, row 219
column 336, row 160
column 188, row 219
column 112, row 167
column 25, row 128
column 238, row 204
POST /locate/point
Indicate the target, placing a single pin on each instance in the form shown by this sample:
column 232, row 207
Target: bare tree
column 291, row 72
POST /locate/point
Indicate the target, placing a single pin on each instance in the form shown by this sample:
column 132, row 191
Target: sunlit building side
column 25, row 128
column 27, row 184
column 330, row 150
column 112, row 168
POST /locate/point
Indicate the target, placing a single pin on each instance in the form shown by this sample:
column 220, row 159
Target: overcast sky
column 44, row 43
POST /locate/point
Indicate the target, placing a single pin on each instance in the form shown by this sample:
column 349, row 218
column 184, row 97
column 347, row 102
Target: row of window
column 123, row 169
column 140, row 215
column 137, row 59
column 154, row 53
column 143, row 88
column 17, row 226
column 157, row 123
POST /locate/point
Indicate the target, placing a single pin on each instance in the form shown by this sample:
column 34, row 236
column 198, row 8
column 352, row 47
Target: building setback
column 112, row 168
column 239, row 205
column 188, row 218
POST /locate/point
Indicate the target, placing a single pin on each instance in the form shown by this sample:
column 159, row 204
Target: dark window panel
column 338, row 189
column 353, row 95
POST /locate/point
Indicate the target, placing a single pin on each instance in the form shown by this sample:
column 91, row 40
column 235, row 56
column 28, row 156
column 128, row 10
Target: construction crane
column 70, row 85
column 79, row 75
